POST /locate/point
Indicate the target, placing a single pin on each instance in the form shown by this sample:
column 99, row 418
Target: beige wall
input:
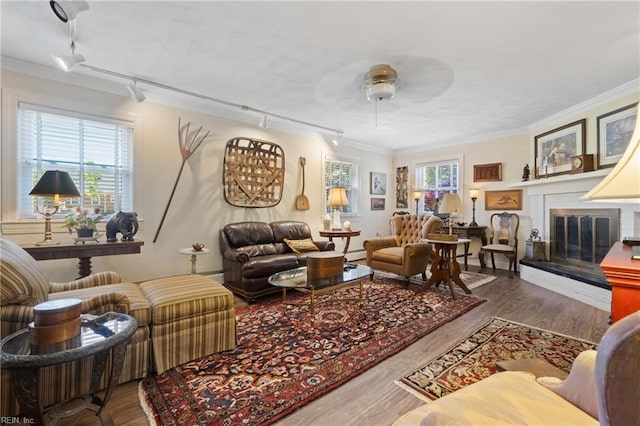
column 198, row 209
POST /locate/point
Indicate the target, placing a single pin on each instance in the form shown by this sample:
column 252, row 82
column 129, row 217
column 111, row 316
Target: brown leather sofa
column 253, row 251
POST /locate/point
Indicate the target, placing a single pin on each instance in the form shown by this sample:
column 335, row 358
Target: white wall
column 198, row 210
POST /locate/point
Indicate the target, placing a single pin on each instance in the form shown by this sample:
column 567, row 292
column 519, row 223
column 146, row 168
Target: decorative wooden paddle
column 302, row 202
column 187, row 148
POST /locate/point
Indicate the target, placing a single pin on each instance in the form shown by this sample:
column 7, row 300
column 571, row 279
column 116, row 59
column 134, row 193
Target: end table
column 194, row 256
column 343, row 234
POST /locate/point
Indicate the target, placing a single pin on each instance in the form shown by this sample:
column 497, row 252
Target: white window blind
column 434, row 180
column 343, row 174
column 95, row 151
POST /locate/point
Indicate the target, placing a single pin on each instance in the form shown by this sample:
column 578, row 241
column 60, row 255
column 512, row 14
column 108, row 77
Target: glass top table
column 297, row 279
column 99, row 337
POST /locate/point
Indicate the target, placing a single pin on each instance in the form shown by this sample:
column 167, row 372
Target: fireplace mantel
column 562, row 184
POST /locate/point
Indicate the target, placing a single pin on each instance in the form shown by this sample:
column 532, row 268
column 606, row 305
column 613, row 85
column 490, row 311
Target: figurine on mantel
column 526, row 173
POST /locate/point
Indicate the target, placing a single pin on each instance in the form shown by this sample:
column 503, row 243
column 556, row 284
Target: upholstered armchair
column 22, row 286
column 404, row 253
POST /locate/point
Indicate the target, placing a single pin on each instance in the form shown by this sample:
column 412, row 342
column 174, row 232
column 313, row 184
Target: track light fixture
column 67, row 10
column 337, row 139
column 67, row 63
column 136, row 94
column 263, row 122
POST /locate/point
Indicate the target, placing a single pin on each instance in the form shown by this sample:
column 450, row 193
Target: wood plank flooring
column 372, row 398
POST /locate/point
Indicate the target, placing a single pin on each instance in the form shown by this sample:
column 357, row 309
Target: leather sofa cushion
column 389, row 255
column 291, row 230
column 264, row 266
column 259, row 250
column 243, row 234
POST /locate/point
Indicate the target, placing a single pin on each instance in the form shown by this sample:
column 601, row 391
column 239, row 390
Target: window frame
column 353, row 192
column 422, row 208
column 10, row 221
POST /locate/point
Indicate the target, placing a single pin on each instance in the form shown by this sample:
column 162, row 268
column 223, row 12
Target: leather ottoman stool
column 191, row 316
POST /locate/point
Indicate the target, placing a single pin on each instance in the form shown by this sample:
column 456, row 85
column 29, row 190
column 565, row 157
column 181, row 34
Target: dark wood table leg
column 346, row 246
column 84, row 266
column 466, row 255
column 455, row 272
column 437, row 272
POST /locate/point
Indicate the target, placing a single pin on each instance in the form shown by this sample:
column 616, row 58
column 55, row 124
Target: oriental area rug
column 474, row 357
column 283, row 361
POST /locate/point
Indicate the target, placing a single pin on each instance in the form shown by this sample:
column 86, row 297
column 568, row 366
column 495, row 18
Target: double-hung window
column 95, row 151
column 434, row 180
column 344, row 174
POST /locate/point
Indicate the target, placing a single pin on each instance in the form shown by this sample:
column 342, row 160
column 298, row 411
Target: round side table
column 99, row 337
column 194, row 256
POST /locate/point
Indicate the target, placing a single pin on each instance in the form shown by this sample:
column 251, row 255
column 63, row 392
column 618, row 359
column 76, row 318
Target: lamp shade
column 55, row 182
column 417, row 195
column 337, row 197
column 473, row 193
column 622, row 184
column 451, row 203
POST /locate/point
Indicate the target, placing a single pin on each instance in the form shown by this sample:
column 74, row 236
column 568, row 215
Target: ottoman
column 191, row 316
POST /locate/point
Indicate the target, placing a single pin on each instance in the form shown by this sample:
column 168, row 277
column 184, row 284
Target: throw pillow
column 300, row 246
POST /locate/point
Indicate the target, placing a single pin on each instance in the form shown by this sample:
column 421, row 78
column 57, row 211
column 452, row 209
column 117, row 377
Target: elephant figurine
column 124, row 222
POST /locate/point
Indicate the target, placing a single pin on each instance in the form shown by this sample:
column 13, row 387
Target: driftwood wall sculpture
column 188, row 144
column 253, row 174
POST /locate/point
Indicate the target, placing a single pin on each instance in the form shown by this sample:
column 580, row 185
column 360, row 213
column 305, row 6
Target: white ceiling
column 467, row 70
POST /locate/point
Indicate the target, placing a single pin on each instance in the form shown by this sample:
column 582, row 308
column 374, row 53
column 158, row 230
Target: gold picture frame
column 491, row 172
column 510, row 199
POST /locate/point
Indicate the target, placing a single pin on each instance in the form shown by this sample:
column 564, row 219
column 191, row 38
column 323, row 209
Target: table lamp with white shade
column 337, row 198
column 452, row 204
column 56, row 184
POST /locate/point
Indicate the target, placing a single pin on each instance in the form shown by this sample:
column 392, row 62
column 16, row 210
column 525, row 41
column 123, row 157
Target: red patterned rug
column 474, row 358
column 282, row 362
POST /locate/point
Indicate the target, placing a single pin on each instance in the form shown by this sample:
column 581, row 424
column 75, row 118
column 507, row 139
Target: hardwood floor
column 373, row 398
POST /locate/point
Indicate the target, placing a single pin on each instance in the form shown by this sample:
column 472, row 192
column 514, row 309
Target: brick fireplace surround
column 580, row 282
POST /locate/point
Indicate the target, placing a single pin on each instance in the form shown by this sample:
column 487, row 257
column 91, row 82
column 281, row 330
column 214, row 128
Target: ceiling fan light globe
column 380, row 91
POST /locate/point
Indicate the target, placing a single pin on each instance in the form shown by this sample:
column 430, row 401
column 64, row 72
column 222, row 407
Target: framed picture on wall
column 402, row 187
column 503, row 200
column 614, row 133
column 487, row 172
column 554, row 149
column 378, row 183
column 377, row 203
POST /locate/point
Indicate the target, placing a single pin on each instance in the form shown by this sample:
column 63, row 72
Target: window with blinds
column 96, row 152
column 343, row 174
column 434, row 180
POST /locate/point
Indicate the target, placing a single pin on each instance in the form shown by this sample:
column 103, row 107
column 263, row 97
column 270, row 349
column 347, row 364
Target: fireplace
column 581, row 238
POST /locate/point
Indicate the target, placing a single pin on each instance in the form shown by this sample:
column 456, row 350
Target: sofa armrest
column 107, row 302
column 579, row 388
column 93, row 280
column 236, row 255
column 325, row 245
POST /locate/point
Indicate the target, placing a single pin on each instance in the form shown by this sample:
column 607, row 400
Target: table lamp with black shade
column 56, row 184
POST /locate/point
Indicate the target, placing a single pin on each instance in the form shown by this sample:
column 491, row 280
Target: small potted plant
column 83, row 222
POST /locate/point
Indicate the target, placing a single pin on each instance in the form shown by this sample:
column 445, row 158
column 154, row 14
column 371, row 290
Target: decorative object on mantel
column 474, row 196
column 188, row 145
column 253, row 173
column 402, row 188
column 126, row 223
column 622, row 184
column 53, row 183
column 581, row 163
column 526, row 173
column 487, row 172
column 510, row 199
column 554, row 149
column 614, row 133
column 302, row 202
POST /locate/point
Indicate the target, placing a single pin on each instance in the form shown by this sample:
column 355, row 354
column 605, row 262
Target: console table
column 84, row 252
column 467, row 231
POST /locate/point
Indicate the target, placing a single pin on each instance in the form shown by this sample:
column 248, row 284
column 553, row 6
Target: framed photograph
column 402, row 187
column 554, row 149
column 377, row 203
column 487, row 172
column 614, row 133
column 503, row 200
column 378, row 184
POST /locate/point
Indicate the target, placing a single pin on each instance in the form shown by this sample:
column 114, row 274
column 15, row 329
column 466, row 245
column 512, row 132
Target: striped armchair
column 22, row 286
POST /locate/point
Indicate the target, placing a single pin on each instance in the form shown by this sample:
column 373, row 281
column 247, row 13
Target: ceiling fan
column 380, row 83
